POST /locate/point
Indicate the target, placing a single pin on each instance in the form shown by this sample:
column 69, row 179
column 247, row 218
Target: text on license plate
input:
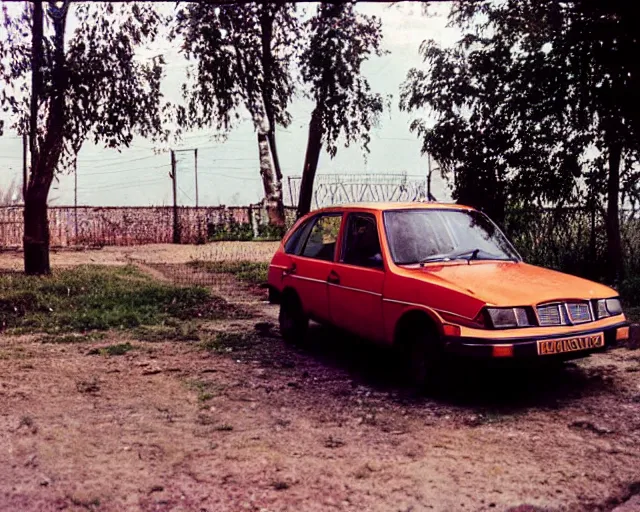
column 558, row 346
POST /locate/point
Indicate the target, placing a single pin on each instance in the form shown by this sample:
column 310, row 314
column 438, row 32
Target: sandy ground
column 325, row 427
column 152, row 253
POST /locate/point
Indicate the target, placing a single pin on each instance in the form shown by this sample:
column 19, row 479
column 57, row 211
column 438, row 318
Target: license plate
column 561, row 345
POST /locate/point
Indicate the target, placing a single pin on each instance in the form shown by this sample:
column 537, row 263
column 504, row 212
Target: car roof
column 384, row 206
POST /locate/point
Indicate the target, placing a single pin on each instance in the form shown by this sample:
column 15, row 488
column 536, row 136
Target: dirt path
column 171, row 426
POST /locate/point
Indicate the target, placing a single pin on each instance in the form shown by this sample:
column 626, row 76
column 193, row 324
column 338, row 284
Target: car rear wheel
column 423, row 358
column 293, row 322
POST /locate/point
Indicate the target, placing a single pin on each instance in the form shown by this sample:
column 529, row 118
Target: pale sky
column 228, row 171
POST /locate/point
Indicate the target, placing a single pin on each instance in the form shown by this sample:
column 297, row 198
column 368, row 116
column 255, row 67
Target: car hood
column 514, row 284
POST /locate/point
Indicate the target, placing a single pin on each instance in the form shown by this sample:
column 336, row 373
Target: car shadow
column 504, row 388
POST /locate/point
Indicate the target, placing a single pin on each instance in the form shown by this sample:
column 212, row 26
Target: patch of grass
column 223, row 342
column 72, row 337
column 91, row 297
column 180, row 332
column 206, row 390
column 246, row 271
column 118, row 349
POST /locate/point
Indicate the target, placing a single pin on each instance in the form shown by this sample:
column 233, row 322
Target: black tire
column 423, row 357
column 293, row 322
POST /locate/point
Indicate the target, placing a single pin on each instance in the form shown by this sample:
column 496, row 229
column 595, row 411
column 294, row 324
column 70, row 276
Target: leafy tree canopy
column 227, row 44
column 533, row 96
column 340, row 40
column 110, row 92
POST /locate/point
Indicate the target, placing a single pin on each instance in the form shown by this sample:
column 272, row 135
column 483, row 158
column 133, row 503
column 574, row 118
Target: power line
column 230, row 176
column 127, row 161
column 117, row 186
column 125, row 170
column 115, row 159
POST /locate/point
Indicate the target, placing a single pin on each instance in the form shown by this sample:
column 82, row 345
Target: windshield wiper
column 471, row 255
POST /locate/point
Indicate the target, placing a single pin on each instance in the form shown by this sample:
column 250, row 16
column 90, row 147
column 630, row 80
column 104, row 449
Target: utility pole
column 429, row 196
column 25, row 145
column 172, row 175
column 195, row 153
column 75, row 197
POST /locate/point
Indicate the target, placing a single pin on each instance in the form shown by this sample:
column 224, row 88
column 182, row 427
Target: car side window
column 296, row 240
column 321, row 243
column 361, row 244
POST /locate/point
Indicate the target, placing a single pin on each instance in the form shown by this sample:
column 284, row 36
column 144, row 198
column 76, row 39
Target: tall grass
column 569, row 240
column 98, row 298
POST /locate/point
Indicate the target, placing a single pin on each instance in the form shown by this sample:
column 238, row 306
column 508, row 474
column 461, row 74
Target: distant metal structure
column 331, row 189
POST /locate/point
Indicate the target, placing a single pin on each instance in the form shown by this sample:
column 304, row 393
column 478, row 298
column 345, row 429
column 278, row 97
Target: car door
column 357, row 279
column 311, row 263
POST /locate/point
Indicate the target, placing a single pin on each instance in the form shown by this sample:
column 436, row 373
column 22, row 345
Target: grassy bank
column 98, row 298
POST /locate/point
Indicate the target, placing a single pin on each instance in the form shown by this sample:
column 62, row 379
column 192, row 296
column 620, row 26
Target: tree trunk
column 615, row 264
column 314, row 145
column 36, row 79
column 266, row 32
column 47, row 154
column 36, row 225
column 272, row 189
column 257, row 106
column 36, row 234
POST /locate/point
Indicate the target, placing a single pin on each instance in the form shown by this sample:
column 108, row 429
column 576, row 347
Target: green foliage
column 72, row 337
column 231, row 231
column 524, row 99
column 340, row 40
column 571, row 240
column 630, row 291
column 246, row 271
column 206, row 390
column 243, row 232
column 109, row 93
column 559, row 238
column 227, row 41
column 119, row 349
column 271, row 232
column 97, row 298
column 224, row 342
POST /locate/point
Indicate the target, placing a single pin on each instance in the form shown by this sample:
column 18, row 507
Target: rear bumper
column 527, row 348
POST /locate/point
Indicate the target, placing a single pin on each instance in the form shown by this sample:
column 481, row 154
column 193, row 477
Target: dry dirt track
column 328, row 427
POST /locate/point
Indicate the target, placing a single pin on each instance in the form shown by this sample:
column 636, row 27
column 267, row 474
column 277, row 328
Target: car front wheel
column 293, row 321
column 423, row 357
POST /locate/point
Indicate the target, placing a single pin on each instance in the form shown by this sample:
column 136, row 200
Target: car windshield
column 422, row 236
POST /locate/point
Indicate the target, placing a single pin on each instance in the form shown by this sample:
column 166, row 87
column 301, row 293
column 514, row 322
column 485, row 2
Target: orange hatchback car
column 435, row 279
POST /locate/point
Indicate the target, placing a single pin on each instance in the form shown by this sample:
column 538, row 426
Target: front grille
column 550, row 315
column 579, row 312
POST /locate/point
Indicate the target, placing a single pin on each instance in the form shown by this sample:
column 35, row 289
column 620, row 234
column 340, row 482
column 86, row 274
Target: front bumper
column 527, row 348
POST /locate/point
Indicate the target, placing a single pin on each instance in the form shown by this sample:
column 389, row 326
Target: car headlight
column 502, row 318
column 608, row 307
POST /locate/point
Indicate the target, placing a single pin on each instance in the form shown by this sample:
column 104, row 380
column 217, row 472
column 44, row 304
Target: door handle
column 291, row 270
column 333, row 278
